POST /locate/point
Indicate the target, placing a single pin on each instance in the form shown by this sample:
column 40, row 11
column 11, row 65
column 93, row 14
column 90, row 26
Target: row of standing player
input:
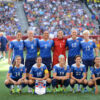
column 58, row 46
column 62, row 74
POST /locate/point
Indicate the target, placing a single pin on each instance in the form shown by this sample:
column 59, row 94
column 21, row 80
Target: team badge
column 90, row 43
column 32, row 47
column 21, row 70
column 41, row 69
column 63, row 40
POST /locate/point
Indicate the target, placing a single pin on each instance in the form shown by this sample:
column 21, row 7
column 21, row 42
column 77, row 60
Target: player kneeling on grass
column 39, row 72
column 61, row 74
column 16, row 76
column 78, row 74
column 95, row 79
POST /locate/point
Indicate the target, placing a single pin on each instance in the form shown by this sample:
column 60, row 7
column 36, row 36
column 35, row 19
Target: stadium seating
column 8, row 18
column 54, row 14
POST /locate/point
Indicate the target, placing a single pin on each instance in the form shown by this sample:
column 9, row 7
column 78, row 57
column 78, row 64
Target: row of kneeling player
column 62, row 74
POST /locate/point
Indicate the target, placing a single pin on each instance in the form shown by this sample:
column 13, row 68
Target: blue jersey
column 16, row 73
column 78, row 72
column 38, row 72
column 61, row 71
column 88, row 49
column 31, row 47
column 17, row 47
column 96, row 72
column 3, row 41
column 45, row 48
column 73, row 46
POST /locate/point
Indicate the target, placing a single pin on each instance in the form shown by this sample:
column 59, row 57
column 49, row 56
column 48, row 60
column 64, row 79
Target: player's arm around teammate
column 61, row 74
column 16, row 76
column 95, row 77
column 78, row 74
column 40, row 72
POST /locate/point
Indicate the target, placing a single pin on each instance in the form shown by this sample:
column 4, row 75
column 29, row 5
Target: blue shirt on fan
column 38, row 72
column 73, row 46
column 31, row 48
column 78, row 72
column 45, row 48
column 88, row 49
column 61, row 71
column 16, row 73
column 17, row 47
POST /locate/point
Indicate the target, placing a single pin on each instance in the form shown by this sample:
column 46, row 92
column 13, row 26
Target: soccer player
column 78, row 74
column 40, row 72
column 88, row 48
column 61, row 74
column 59, row 47
column 95, row 76
column 45, row 46
column 31, row 45
column 16, row 76
column 3, row 44
column 16, row 46
column 74, row 47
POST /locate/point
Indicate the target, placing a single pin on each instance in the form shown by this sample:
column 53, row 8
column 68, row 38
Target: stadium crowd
column 8, row 20
column 95, row 7
column 54, row 14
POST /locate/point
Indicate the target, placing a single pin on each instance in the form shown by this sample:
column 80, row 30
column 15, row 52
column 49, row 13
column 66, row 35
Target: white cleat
column 29, row 90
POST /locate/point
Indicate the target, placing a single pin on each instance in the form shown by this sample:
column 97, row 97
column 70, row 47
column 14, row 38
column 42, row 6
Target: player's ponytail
column 14, row 63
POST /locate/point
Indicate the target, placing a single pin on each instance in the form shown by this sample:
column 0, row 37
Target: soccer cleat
column 12, row 91
column 85, row 90
column 48, row 90
column 33, row 91
column 64, row 90
column 82, row 90
column 93, row 90
column 54, row 90
column 78, row 88
column 19, row 91
column 73, row 90
column 29, row 90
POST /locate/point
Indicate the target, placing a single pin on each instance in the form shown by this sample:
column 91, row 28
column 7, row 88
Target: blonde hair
column 86, row 31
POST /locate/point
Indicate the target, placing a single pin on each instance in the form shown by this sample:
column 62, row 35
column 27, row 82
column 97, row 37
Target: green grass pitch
column 4, row 92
